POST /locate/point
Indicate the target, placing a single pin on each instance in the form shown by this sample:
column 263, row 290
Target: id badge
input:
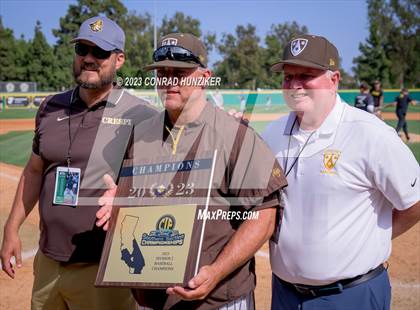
column 67, row 181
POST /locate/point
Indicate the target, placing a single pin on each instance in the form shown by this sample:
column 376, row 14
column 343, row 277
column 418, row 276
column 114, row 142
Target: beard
column 105, row 77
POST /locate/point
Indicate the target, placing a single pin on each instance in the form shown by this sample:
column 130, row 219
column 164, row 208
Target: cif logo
column 166, row 222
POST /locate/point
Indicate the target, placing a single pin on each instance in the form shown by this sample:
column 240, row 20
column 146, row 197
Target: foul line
column 8, row 176
column 404, row 285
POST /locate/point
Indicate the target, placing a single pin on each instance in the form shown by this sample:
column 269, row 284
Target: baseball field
column 15, row 146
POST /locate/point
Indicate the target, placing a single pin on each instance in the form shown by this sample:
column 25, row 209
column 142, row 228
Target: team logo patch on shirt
column 116, row 121
column 297, row 46
column 330, row 160
column 97, row 26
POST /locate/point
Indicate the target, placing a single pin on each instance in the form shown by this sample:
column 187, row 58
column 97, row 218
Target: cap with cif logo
column 310, row 51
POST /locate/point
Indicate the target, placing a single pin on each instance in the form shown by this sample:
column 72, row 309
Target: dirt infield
column 7, row 125
column 404, row 265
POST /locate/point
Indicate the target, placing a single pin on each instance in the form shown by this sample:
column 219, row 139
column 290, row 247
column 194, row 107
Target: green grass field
column 275, row 108
column 15, row 147
column 411, row 109
column 413, row 126
column 18, row 113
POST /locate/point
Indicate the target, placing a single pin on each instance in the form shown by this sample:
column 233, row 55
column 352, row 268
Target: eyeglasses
column 177, row 53
column 82, row 49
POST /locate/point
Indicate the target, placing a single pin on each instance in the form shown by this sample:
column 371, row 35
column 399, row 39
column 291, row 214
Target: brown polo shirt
column 100, row 135
column 246, row 177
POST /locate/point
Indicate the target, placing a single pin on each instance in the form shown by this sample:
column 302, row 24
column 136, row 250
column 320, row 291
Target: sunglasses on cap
column 177, row 53
column 82, row 49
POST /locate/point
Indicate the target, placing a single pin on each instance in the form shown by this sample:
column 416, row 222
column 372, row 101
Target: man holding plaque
column 194, row 155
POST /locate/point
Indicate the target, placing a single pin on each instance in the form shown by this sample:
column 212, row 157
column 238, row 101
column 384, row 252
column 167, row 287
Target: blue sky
column 343, row 22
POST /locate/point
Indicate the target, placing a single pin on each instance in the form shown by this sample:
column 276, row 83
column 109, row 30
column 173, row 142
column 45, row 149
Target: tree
column 241, row 66
column 373, row 63
column 180, row 23
column 13, row 55
column 246, row 63
column 392, row 50
column 186, row 24
column 404, row 39
column 139, row 44
column 41, row 63
column 347, row 81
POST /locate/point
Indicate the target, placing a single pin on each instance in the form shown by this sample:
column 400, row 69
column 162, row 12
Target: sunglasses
column 177, row 53
column 82, row 49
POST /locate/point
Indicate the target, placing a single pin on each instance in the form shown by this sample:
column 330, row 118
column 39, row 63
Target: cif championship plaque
column 154, row 238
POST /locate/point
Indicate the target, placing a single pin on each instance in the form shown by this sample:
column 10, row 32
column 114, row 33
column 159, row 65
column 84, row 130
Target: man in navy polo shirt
column 401, row 102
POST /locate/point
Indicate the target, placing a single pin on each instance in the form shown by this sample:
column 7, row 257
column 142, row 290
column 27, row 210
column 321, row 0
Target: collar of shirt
column 329, row 125
column 324, row 135
column 172, row 134
column 111, row 99
column 207, row 115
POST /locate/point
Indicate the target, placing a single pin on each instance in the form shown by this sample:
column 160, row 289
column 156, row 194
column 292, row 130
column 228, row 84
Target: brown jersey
column 246, row 176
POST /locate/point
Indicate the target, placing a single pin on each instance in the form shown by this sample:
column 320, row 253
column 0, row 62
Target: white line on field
column 25, row 255
column 405, row 285
column 8, row 176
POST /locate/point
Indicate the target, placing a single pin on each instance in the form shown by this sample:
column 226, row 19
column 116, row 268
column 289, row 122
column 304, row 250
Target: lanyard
column 71, row 139
column 300, row 152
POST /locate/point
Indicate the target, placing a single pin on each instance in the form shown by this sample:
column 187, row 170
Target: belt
column 336, row 287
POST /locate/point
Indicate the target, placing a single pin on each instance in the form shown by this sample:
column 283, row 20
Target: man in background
column 378, row 97
column 401, row 102
column 364, row 100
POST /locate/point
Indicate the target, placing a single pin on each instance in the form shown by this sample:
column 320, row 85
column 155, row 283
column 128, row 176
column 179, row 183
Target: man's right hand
column 11, row 247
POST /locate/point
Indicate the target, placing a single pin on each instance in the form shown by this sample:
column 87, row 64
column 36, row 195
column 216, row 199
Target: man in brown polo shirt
column 80, row 135
column 246, row 177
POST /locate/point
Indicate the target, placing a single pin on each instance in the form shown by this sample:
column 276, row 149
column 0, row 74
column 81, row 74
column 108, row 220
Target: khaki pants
column 59, row 286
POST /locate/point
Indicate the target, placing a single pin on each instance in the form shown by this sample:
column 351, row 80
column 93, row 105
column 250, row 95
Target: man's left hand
column 199, row 286
column 104, row 213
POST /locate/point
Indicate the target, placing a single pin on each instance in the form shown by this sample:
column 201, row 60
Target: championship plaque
column 154, row 238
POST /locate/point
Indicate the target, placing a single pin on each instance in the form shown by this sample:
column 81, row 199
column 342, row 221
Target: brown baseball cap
column 311, row 51
column 186, row 41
